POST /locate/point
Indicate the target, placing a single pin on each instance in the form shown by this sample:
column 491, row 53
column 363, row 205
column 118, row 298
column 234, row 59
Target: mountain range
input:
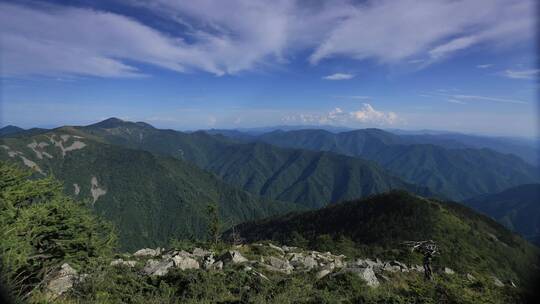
column 456, row 173
column 253, row 176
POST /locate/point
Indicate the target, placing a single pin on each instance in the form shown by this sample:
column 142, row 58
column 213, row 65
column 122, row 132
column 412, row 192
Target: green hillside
column 149, row 198
column 455, row 173
column 377, row 226
column 306, row 177
column 517, row 208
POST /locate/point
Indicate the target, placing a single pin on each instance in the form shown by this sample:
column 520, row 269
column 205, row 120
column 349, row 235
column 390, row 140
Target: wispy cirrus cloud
column 339, row 76
column 522, row 74
column 228, row 37
column 463, row 98
column 484, row 66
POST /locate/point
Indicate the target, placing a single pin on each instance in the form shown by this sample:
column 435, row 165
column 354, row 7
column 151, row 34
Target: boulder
column 216, row 266
column 278, row 265
column 233, row 256
column 157, row 268
column 208, row 261
column 497, row 282
column 470, row 277
column 61, row 281
column 147, row 252
column 199, row 252
column 391, row 268
column 326, row 270
column 279, row 249
column 121, row 262
column 448, row 270
column 365, row 273
column 185, row 262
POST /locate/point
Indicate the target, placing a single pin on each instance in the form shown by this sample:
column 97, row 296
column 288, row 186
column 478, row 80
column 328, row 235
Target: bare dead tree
column 428, row 249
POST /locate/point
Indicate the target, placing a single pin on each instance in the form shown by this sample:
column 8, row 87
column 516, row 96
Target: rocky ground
column 256, row 259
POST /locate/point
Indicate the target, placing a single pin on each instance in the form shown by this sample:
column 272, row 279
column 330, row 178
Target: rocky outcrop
column 61, row 281
column 233, row 256
column 147, row 252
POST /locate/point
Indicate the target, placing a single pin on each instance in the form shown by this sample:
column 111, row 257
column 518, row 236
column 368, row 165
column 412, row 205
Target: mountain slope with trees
column 518, row 208
column 309, row 178
column 149, row 198
column 455, row 173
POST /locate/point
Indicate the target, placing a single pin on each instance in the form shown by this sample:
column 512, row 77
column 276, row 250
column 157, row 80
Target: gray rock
column 449, row 270
column 470, row 277
column 121, row 262
column 208, row 261
column 157, row 268
column 280, row 264
column 279, row 249
column 185, row 262
column 391, row 268
column 147, row 252
column 217, row 266
column 326, row 270
column 497, row 282
column 199, row 252
column 365, row 273
column 61, row 281
column 233, row 256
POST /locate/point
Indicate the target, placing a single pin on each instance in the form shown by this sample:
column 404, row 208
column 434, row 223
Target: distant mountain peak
column 10, row 129
column 115, row 122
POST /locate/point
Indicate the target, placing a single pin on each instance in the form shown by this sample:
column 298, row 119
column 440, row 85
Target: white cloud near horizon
column 484, row 66
column 366, row 115
column 228, row 37
column 339, row 76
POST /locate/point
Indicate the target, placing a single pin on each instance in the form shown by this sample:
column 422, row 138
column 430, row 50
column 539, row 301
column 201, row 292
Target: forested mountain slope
column 149, row 198
column 455, row 173
column 309, row 178
column 518, row 208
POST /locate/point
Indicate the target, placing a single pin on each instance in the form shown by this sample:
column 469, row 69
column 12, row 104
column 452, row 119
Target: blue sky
column 467, row 66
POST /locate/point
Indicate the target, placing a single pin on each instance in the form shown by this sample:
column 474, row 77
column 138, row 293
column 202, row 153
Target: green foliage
column 41, row 228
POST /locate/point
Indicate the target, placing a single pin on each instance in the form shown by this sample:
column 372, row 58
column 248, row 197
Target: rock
column 305, row 262
column 280, row 264
column 368, row 275
column 470, row 277
column 121, row 262
column 233, row 256
column 147, row 252
column 289, row 248
column 497, row 282
column 391, row 268
column 157, row 268
column 217, row 266
column 61, row 281
column 326, row 270
column 417, row 268
column 449, row 270
column 276, row 248
column 199, row 252
column 185, row 262
column 208, row 261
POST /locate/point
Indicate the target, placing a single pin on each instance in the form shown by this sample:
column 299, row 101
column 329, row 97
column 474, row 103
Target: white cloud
column 451, row 100
column 452, row 46
column 484, row 66
column 487, row 98
column 522, row 74
column 390, row 31
column 339, row 76
column 228, row 37
column 366, row 115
